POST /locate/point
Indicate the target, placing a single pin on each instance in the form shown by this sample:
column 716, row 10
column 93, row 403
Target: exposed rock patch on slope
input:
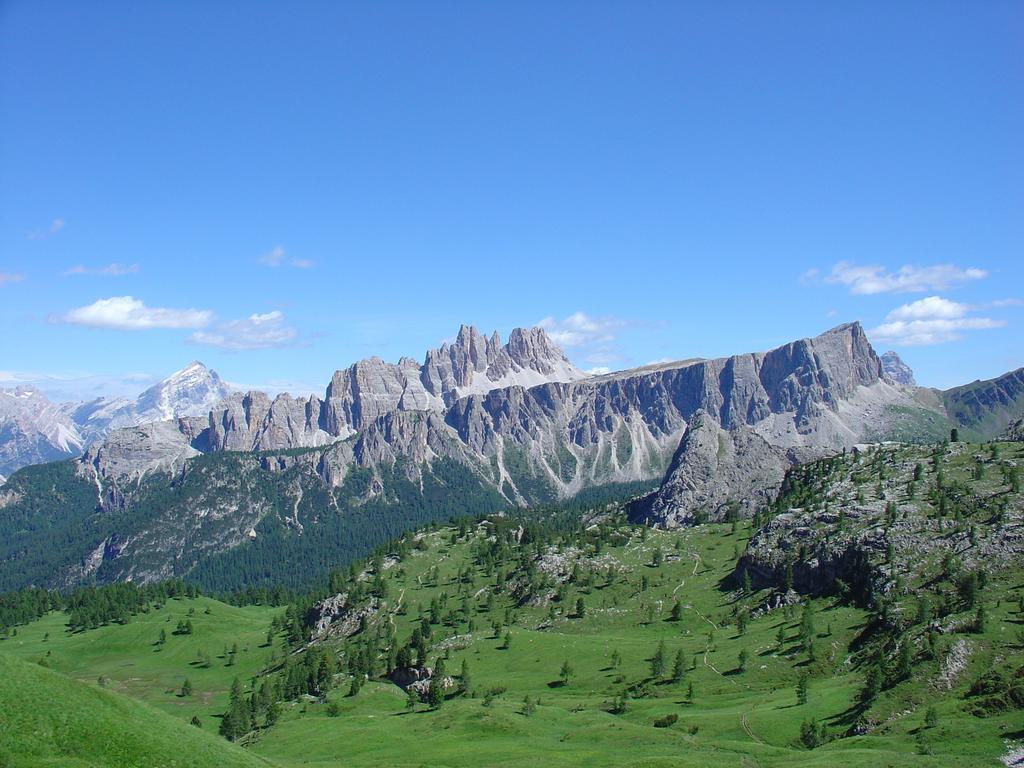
column 841, row 517
column 1015, row 431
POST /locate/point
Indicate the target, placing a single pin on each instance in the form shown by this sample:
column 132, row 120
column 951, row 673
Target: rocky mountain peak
column 897, row 370
column 192, row 391
column 33, row 429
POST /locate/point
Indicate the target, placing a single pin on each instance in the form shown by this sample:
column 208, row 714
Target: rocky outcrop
column 834, row 519
column 337, row 617
column 897, row 370
column 715, row 472
column 1014, row 432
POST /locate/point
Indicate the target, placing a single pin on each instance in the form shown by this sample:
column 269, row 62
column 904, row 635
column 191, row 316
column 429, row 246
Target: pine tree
column 566, row 672
column 807, row 624
column 801, row 689
column 186, row 687
column 581, row 608
column 904, row 662
column 980, row 619
column 742, row 658
column 658, row 661
column 679, row 666
column 872, row 684
column 435, row 693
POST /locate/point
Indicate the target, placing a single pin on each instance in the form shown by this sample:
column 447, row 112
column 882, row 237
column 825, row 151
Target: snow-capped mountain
column 33, row 429
column 192, row 391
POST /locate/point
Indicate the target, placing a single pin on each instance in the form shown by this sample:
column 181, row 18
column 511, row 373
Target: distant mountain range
column 238, row 488
column 34, row 430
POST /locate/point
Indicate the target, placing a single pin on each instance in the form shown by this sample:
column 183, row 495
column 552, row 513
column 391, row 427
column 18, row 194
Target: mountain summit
column 897, row 370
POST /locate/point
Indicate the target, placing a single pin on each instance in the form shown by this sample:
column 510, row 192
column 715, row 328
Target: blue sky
column 280, row 189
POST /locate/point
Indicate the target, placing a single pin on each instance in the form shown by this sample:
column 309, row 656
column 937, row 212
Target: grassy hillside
column 503, row 604
column 987, row 407
column 131, row 660
column 47, row 719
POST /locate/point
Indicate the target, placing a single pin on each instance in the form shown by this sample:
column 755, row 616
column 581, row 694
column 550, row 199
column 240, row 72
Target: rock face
column 1015, row 431
column 897, row 370
column 804, row 400
column 33, row 430
column 714, row 473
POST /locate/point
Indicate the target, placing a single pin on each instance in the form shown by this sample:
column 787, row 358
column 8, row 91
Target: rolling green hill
column 47, row 719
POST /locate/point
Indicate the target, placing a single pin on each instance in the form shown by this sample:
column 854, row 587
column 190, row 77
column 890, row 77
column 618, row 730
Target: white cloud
column 931, row 308
column 933, row 320
column 579, row 328
column 599, row 370
column 127, row 313
column 872, row 279
column 114, row 269
column 8, row 277
column 55, row 226
column 1008, row 303
column 278, row 257
column 264, row 331
column 274, row 257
